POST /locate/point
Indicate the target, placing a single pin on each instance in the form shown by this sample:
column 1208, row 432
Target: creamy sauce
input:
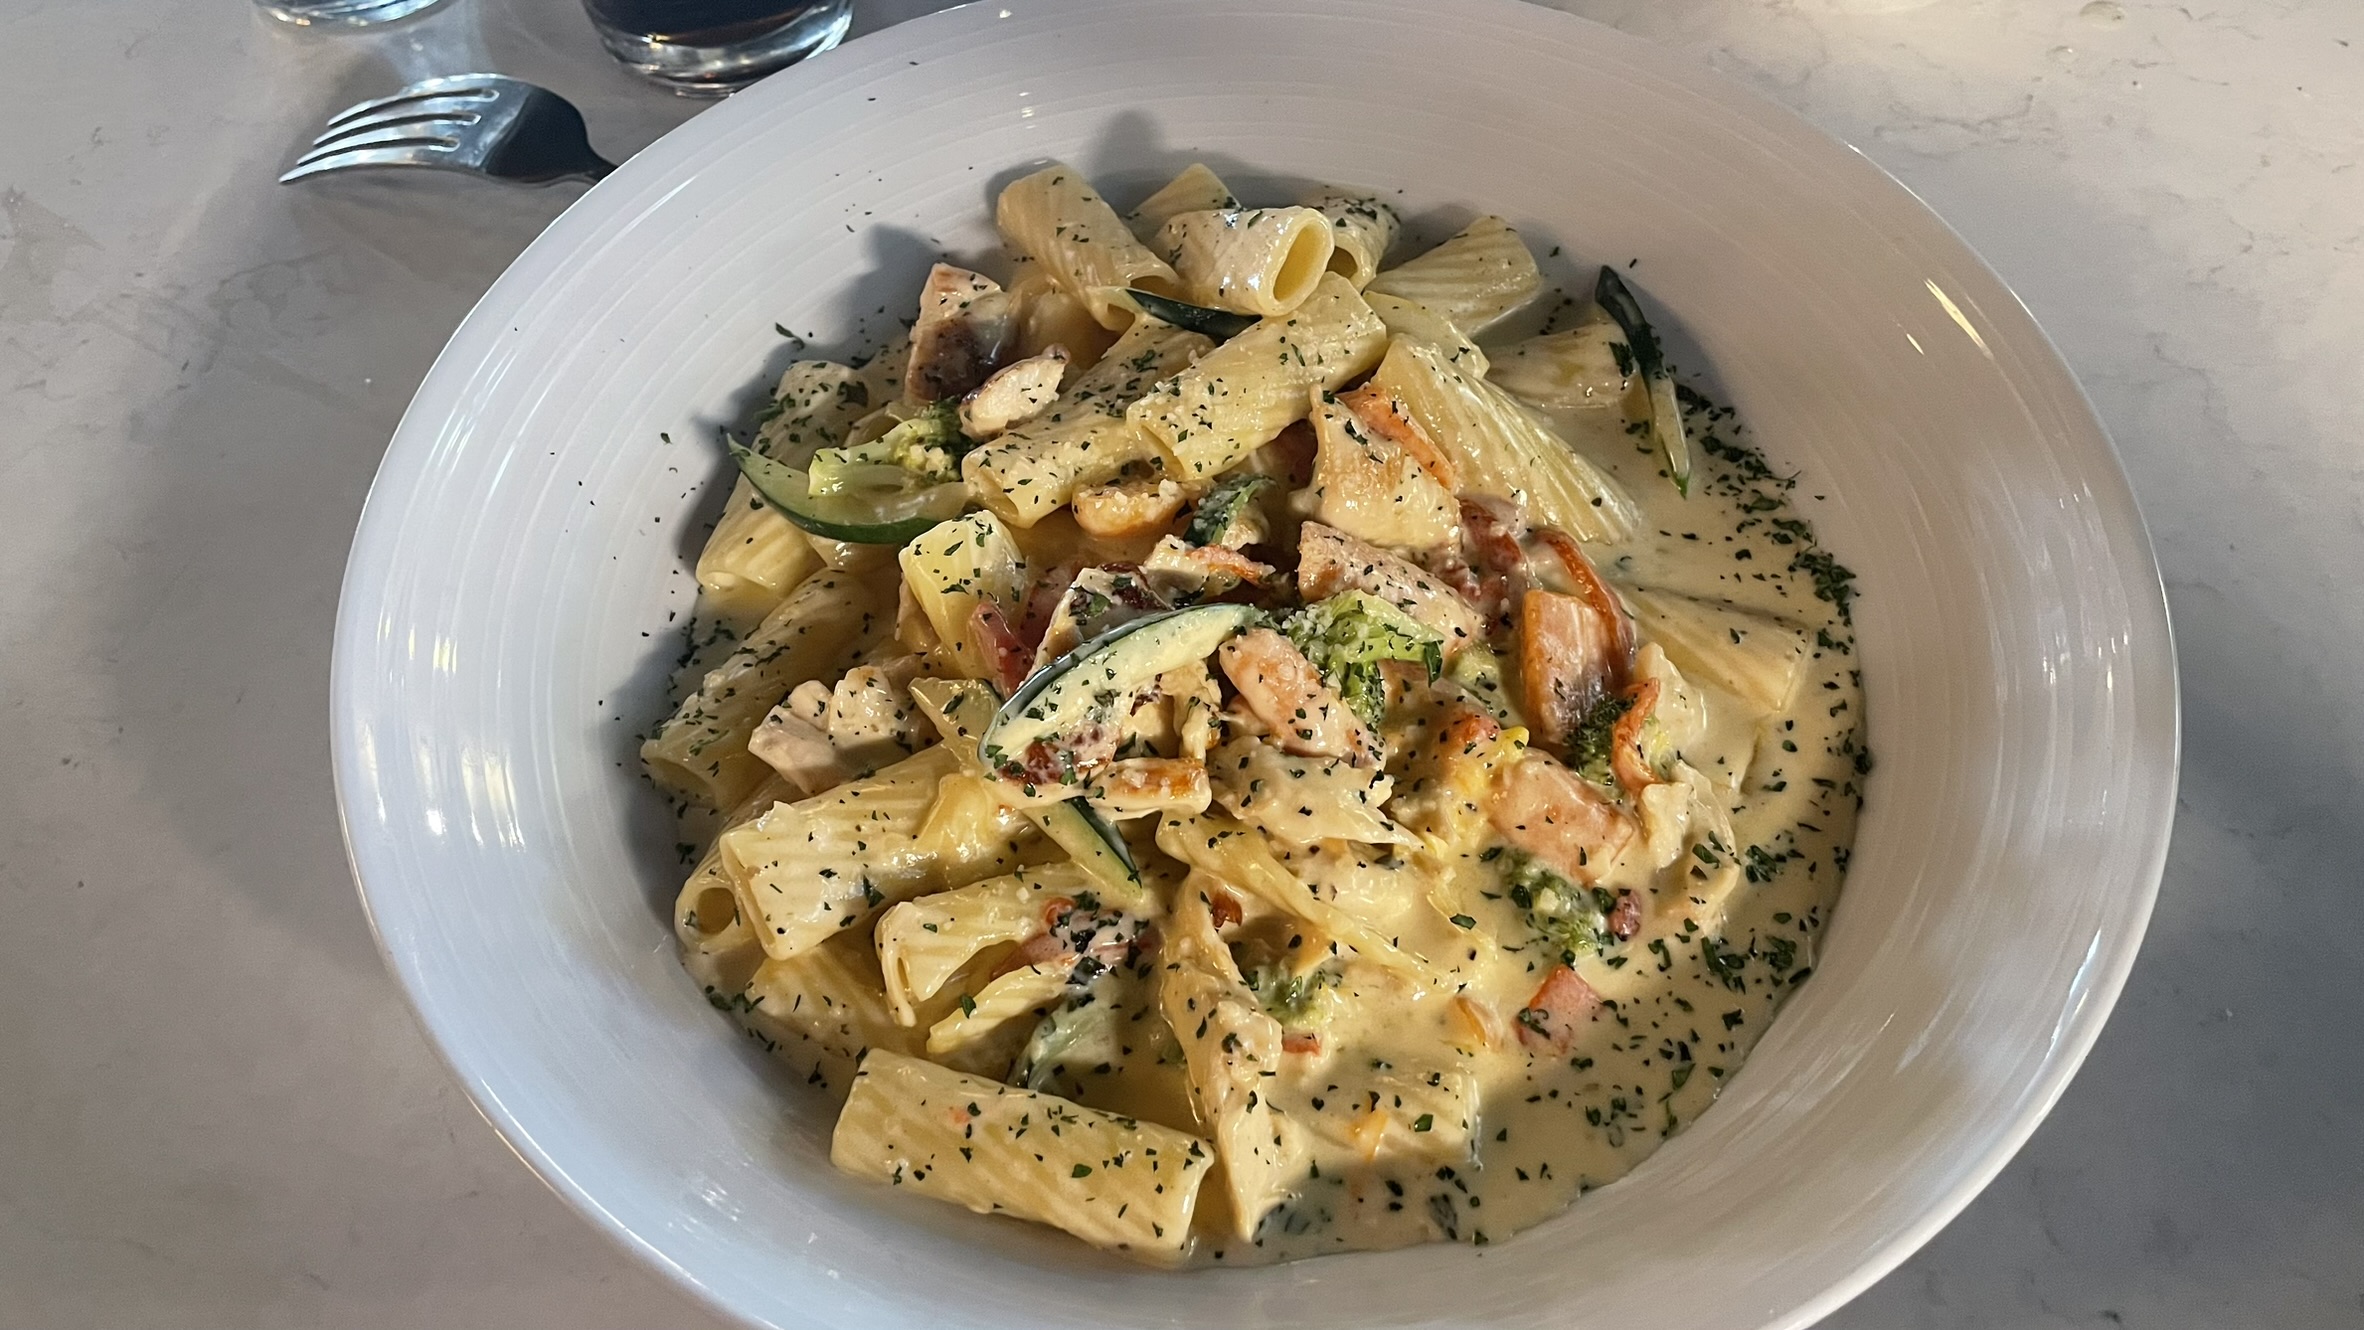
column 1688, row 1004
column 1426, row 1123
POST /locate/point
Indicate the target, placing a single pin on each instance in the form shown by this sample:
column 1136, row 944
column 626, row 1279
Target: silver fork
column 483, row 124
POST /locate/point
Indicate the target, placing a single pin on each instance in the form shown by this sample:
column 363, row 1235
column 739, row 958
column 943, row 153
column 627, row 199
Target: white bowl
column 506, row 617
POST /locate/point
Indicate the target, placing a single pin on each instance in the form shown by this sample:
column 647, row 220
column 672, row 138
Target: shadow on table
column 294, row 368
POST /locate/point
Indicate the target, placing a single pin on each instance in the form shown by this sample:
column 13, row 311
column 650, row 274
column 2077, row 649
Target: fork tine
column 458, row 120
column 473, row 87
column 365, row 158
column 391, row 138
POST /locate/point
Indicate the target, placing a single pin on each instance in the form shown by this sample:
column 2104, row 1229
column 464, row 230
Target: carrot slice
column 1550, row 1020
column 1626, row 761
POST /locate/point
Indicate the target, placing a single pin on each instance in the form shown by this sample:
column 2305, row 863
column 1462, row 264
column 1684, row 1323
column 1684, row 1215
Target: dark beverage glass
column 712, row 47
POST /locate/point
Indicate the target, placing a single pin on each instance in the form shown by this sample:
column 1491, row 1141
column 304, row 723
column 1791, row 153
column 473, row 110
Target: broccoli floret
column 1590, row 745
column 930, row 444
column 1348, row 635
column 1226, row 511
column 924, row 450
column 1569, row 919
column 1298, row 1001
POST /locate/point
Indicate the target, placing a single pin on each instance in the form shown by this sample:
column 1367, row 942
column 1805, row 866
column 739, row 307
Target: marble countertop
column 215, row 1109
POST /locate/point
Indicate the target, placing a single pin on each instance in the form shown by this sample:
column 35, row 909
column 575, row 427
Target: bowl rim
column 672, row 154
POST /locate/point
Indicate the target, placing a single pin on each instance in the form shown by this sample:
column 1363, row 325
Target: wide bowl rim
column 419, row 429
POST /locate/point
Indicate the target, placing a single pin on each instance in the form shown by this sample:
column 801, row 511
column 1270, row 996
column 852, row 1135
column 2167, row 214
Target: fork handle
column 597, row 170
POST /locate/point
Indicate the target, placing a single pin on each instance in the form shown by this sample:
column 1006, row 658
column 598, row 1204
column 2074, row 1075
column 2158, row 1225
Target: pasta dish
column 1238, row 748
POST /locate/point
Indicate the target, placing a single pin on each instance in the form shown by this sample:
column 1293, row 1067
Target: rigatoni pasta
column 966, row 567
column 1425, row 327
column 1261, row 261
column 1056, row 218
column 1231, row 1046
column 1363, row 228
column 755, row 555
column 807, row 870
column 923, row 943
column 1289, row 777
column 1209, row 417
column 1110, row 1180
column 821, row 1010
column 1196, row 189
column 1474, row 279
column 1584, row 366
column 813, row 633
column 753, row 559
column 1085, row 437
column 1505, row 445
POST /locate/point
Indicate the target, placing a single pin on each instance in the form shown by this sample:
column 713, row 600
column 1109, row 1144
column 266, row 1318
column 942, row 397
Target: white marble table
column 214, row 1108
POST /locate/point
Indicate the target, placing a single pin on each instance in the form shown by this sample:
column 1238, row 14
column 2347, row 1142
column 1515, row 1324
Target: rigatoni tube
column 1115, row 1182
column 1247, row 390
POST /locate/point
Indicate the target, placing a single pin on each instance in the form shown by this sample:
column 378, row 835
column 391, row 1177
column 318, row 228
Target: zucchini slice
column 865, row 516
column 1220, row 324
column 1666, row 414
column 1076, row 827
column 962, row 711
column 1064, row 695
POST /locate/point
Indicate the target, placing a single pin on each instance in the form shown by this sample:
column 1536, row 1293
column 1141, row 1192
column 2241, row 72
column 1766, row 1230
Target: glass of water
column 711, row 47
column 342, row 13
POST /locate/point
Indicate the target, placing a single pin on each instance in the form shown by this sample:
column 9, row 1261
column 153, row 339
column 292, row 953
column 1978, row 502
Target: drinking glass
column 342, row 13
column 712, row 47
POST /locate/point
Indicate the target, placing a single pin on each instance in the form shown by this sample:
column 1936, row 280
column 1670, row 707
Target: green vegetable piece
column 1076, row 827
column 1223, row 507
column 864, row 516
column 1063, row 1038
column 1666, row 413
column 929, row 444
column 1083, row 686
column 1298, row 1001
column 1348, row 635
column 1220, row 324
column 1569, row 919
column 1589, row 747
column 928, row 448
column 1479, row 672
column 834, row 472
